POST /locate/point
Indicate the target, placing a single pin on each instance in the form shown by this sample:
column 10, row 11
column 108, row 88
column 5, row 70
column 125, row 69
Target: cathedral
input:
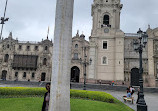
column 108, row 56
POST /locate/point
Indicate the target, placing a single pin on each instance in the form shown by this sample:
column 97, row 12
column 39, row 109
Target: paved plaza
column 150, row 98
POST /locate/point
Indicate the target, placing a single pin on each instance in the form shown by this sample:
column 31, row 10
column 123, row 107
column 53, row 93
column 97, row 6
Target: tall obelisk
column 60, row 80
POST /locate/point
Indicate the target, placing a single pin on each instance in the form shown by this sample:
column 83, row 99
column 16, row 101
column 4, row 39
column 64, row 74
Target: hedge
column 21, row 91
column 27, row 92
column 93, row 95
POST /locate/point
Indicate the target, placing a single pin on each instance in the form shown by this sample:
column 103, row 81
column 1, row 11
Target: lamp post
column 3, row 19
column 85, row 63
column 138, row 46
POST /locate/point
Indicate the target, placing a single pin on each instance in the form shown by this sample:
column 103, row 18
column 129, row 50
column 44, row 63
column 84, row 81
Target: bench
column 131, row 99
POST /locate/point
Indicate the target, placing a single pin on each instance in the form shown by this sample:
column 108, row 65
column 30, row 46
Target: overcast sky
column 29, row 19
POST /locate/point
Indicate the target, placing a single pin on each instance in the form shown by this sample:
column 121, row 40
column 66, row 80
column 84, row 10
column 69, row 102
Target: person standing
column 138, row 95
column 132, row 90
column 45, row 105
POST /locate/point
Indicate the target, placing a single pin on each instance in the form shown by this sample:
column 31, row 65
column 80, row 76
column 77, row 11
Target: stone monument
column 60, row 80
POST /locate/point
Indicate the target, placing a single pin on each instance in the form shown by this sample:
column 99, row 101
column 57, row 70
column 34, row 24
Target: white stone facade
column 25, row 61
column 111, row 51
column 107, row 42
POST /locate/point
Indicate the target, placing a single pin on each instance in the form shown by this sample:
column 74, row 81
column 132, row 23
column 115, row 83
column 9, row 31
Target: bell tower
column 106, row 13
column 106, row 42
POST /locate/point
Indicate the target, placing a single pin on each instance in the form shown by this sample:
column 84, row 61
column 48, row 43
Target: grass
column 35, row 104
column 21, row 104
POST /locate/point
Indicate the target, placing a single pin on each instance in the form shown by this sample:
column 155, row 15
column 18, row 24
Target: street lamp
column 85, row 63
column 3, row 19
column 138, row 46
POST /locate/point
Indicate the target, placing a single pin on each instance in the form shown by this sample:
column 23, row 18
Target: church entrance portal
column 135, row 77
column 4, row 75
column 43, row 76
column 75, row 74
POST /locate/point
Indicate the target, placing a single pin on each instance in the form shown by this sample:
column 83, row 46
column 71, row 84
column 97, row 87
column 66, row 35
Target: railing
column 31, row 42
column 75, row 58
column 131, row 34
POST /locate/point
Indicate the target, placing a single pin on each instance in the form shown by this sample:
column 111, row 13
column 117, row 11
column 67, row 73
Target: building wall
column 80, row 47
column 10, row 46
column 113, row 69
column 120, row 54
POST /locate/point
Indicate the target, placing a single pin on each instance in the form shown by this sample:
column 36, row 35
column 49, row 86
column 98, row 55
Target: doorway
column 43, row 75
column 134, row 77
column 4, row 75
column 75, row 74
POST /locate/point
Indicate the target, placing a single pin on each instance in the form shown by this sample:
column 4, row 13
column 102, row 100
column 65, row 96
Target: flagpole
column 3, row 19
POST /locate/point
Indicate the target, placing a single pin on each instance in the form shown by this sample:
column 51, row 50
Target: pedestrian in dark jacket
column 138, row 95
column 46, row 98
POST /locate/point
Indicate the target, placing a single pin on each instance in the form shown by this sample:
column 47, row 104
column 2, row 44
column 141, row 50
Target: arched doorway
column 134, row 77
column 43, row 76
column 4, row 75
column 75, row 74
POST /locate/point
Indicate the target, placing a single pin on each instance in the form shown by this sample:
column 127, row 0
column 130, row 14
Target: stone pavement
column 150, row 98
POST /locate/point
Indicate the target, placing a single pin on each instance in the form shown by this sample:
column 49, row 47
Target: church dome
column 82, row 36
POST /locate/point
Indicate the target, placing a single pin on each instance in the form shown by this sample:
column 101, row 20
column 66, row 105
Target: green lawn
column 35, row 104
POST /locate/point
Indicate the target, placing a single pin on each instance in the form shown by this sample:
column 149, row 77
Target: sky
column 29, row 19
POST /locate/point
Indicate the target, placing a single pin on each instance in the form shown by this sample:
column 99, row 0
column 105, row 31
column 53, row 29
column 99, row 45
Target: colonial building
column 112, row 52
column 80, row 54
column 110, row 49
column 25, row 61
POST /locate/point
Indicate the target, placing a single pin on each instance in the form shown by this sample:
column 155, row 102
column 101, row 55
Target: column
column 60, row 80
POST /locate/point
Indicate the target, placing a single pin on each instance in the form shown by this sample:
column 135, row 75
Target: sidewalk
column 151, row 99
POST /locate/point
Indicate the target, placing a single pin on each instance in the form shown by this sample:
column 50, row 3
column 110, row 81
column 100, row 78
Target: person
column 138, row 95
column 128, row 94
column 132, row 90
column 123, row 83
column 112, row 83
column 128, row 89
column 46, row 98
column 100, row 81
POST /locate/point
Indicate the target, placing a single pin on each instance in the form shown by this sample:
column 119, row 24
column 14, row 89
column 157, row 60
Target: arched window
column 16, row 74
column 20, row 47
column 106, row 20
column 28, row 47
column 44, row 61
column 6, row 58
column 24, row 75
column 46, row 48
column 75, row 55
column 8, row 46
column 104, row 60
column 76, row 46
column 33, row 75
column 36, row 48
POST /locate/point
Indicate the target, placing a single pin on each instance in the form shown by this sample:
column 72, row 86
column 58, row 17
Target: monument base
column 141, row 107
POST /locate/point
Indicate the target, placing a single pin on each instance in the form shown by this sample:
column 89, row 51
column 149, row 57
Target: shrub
column 21, row 91
column 93, row 95
column 27, row 92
